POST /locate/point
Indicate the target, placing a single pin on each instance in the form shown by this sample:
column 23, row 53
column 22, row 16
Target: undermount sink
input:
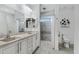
column 8, row 39
column 29, row 33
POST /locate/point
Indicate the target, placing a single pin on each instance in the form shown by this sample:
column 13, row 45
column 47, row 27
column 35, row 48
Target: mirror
column 3, row 24
column 11, row 23
column 15, row 23
column 13, row 20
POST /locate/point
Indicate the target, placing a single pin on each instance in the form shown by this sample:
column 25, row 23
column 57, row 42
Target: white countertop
column 18, row 37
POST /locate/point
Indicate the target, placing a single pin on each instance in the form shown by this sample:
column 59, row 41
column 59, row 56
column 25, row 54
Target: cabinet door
column 30, row 45
column 0, row 51
column 10, row 48
column 23, row 46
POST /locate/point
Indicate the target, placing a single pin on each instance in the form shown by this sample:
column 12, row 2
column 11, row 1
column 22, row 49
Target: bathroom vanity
column 22, row 44
column 13, row 19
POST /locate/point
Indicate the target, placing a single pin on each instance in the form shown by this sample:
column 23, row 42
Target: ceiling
column 47, row 7
column 32, row 6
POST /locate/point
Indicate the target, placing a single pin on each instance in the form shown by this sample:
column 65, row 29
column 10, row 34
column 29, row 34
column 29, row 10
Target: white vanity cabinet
column 11, row 48
column 23, row 46
column 26, row 45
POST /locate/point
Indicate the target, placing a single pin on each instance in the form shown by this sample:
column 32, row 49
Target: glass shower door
column 45, row 25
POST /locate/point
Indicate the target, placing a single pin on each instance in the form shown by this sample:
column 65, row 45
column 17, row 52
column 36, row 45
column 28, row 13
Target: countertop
column 18, row 37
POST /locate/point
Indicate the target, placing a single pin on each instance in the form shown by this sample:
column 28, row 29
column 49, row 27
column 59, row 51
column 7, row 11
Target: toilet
column 66, row 43
column 64, row 40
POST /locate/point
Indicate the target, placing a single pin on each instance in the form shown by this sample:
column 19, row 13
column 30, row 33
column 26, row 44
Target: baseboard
column 35, row 50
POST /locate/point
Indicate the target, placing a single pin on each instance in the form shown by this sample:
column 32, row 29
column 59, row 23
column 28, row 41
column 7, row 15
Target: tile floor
column 45, row 48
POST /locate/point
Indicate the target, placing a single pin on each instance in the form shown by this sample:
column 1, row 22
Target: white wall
column 67, row 11
column 36, row 15
column 27, row 11
column 76, row 34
